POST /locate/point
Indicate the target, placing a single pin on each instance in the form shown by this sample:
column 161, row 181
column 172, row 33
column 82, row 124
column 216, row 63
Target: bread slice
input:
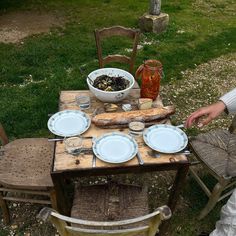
column 144, row 103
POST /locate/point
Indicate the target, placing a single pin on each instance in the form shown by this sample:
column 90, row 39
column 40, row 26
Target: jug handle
column 139, row 71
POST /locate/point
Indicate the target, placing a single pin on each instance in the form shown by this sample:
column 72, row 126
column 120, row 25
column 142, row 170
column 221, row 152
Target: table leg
column 61, row 196
column 174, row 195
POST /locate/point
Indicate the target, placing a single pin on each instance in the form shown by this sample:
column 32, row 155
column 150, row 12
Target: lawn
column 35, row 70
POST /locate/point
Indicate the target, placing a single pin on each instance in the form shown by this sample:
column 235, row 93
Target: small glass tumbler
column 83, row 101
column 73, row 145
column 136, row 128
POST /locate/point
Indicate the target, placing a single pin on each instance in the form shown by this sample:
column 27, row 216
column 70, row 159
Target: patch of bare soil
column 15, row 26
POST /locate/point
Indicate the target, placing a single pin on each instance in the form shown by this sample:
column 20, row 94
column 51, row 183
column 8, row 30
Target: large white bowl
column 114, row 96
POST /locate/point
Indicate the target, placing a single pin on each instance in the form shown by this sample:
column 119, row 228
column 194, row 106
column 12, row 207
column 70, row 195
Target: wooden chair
column 80, row 227
column 24, row 171
column 132, row 34
column 108, row 209
column 215, row 150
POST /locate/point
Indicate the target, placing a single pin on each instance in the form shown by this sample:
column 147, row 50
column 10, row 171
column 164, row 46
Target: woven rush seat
column 109, row 202
column 26, row 163
column 216, row 149
column 25, row 166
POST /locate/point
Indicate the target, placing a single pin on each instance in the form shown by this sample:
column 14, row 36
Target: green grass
column 61, row 60
column 198, row 32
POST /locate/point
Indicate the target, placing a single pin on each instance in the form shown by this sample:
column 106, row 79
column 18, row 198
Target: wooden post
column 155, row 7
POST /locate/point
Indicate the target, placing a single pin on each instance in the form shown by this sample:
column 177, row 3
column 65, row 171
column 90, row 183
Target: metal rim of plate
column 155, row 128
column 98, row 141
column 68, row 113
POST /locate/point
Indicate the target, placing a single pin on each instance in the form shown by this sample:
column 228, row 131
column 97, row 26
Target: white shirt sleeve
column 229, row 99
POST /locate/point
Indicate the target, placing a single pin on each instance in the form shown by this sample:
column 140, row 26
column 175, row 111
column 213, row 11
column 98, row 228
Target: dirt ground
column 15, row 26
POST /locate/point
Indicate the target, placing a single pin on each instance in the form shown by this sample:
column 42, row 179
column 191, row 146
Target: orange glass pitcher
column 151, row 74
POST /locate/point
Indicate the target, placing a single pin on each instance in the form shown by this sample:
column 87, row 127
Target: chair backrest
column 150, row 225
column 132, row 34
column 3, row 137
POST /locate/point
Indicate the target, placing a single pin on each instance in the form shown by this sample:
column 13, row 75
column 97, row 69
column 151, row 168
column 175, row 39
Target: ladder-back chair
column 25, row 171
column 149, row 225
column 108, row 209
column 132, row 34
column 216, row 151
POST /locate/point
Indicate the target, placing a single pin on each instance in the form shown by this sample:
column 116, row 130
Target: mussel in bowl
column 102, row 91
column 111, row 83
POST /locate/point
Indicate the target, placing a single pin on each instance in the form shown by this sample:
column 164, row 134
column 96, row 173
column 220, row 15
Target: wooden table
column 68, row 166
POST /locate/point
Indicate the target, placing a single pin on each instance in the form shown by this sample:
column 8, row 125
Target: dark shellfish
column 108, row 83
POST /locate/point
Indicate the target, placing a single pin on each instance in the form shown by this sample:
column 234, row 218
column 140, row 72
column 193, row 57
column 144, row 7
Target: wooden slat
column 118, row 232
column 201, row 183
column 27, row 200
column 25, row 191
column 106, row 223
column 117, row 30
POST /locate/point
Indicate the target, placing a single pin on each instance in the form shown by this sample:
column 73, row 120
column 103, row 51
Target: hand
column 206, row 114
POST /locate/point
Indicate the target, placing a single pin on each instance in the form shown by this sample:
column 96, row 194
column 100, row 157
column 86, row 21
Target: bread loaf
column 119, row 118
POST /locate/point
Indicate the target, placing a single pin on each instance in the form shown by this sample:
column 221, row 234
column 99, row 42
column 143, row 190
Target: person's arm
column 205, row 115
column 229, row 99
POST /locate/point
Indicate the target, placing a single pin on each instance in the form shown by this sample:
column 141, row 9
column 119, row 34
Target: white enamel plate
column 69, row 123
column 115, row 147
column 165, row 138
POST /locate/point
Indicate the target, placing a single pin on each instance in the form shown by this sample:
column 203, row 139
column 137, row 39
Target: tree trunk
column 155, row 7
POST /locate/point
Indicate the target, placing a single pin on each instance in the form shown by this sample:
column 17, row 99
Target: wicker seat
column 109, row 209
column 111, row 201
column 25, row 169
column 105, row 33
column 216, row 151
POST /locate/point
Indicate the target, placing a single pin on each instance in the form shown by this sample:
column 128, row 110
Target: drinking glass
column 73, row 145
column 83, row 101
column 136, row 128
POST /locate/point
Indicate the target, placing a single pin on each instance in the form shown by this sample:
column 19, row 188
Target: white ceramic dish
column 115, row 147
column 69, row 123
column 114, row 96
column 165, row 138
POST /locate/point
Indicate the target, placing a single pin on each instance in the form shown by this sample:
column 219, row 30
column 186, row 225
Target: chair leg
column 213, row 199
column 5, row 210
column 53, row 199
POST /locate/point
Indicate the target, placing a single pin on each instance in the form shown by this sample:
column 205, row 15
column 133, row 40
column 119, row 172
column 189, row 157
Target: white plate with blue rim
column 165, row 138
column 115, row 147
column 69, row 123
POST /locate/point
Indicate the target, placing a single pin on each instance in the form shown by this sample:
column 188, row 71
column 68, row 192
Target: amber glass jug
column 151, row 73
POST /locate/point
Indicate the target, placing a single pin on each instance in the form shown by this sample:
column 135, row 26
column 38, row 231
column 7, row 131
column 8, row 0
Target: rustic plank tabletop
column 66, row 162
